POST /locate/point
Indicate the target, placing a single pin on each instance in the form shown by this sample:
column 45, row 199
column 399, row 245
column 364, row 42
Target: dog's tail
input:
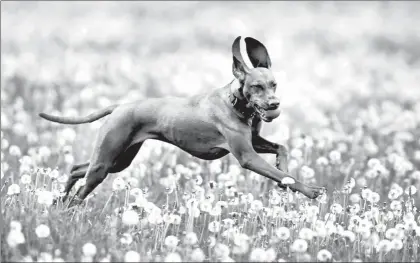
column 79, row 120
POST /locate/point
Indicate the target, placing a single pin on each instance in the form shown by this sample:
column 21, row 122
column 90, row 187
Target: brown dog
column 208, row 126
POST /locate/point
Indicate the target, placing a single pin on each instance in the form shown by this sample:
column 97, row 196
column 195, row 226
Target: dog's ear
column 257, row 53
column 239, row 68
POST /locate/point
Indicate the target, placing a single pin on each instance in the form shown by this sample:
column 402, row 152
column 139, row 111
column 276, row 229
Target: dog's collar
column 240, row 106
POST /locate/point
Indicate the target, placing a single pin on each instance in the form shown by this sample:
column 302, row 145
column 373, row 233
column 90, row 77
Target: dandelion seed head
column 197, row 255
column 132, row 256
column 324, row 255
column 299, row 246
column 190, row 239
column 89, row 249
column 171, row 242
column 173, row 257
column 13, row 189
column 42, row 231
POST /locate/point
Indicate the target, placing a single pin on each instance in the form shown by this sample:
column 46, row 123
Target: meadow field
column 349, row 80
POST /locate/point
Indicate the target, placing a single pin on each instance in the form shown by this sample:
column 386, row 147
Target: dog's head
column 257, row 84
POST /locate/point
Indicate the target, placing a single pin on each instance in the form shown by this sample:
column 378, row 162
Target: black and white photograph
column 210, row 131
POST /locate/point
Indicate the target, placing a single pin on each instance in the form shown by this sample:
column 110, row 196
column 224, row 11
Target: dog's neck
column 239, row 103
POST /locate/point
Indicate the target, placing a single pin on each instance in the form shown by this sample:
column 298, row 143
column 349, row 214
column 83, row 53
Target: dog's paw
column 312, row 192
column 75, row 202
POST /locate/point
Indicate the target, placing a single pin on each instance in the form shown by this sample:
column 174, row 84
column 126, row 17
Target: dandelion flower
column 197, row 255
column 171, row 242
column 306, row 233
column 416, row 174
column 176, row 219
column 366, row 194
column 15, row 238
column 256, row 205
column 136, row 192
column 380, row 228
column 411, row 190
column 221, row 251
column 396, row 244
column 214, row 226
column 257, row 255
column 25, row 179
column 15, row 225
column 118, row 184
column 410, row 225
column 42, row 231
column 395, row 205
column 190, row 238
column 241, row 242
column 335, row 156
column 205, row 206
column 375, row 198
column 227, row 259
column 384, row 246
column 322, row 161
column 155, row 217
column 126, row 239
column 54, row 174
column 132, row 256
column 355, row 198
column 336, row 208
column 288, row 181
column 13, row 189
column 173, row 257
column 215, row 211
column 306, row 172
column 182, row 210
column 45, row 198
column 45, row 257
column 44, row 152
column 14, row 151
column 89, row 250
column 324, row 255
column 391, row 233
column 361, row 181
column 270, row 254
column 299, row 245
column 296, row 153
column 130, row 217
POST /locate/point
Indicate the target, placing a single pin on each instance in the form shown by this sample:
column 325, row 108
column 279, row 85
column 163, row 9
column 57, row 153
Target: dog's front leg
column 241, row 147
column 262, row 145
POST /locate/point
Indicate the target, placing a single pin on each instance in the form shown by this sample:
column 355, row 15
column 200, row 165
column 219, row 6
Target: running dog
column 208, row 126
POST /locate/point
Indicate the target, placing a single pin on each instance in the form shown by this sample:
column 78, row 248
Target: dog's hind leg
column 122, row 162
column 74, row 177
column 114, row 138
column 125, row 159
column 77, row 172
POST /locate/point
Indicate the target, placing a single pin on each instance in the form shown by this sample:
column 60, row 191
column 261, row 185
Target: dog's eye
column 258, row 86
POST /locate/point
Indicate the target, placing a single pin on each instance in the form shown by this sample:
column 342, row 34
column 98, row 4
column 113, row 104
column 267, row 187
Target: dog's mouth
column 266, row 115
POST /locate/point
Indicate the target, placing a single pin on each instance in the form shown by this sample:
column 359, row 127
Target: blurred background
column 332, row 60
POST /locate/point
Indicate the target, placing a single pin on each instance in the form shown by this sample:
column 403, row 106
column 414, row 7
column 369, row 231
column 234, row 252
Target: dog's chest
column 192, row 132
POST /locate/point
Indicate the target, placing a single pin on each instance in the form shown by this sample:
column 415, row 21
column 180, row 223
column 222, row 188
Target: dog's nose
column 274, row 104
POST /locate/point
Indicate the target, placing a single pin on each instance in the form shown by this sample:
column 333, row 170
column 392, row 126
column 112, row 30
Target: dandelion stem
column 106, row 204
